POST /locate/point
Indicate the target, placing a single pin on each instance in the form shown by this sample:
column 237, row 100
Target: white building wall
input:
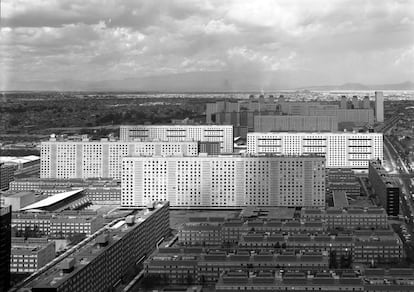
column 102, row 159
column 209, row 133
column 342, row 150
column 224, row 181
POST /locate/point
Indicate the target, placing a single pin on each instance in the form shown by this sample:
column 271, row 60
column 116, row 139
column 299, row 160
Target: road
column 399, row 170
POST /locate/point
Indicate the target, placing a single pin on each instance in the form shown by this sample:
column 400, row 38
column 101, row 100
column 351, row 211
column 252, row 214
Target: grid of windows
column 342, row 150
column 93, row 159
column 224, row 181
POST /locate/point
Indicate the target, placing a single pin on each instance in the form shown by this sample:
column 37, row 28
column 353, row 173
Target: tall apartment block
column 5, row 247
column 102, row 263
column 342, row 149
column 271, row 123
column 101, row 159
column 385, row 188
column 224, row 181
column 379, row 106
column 174, row 133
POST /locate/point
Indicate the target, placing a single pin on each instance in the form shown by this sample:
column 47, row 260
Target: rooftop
column 51, row 200
column 86, row 254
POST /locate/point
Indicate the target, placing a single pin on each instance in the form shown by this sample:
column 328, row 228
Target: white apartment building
column 224, row 181
column 341, row 150
column 101, row 159
column 208, row 133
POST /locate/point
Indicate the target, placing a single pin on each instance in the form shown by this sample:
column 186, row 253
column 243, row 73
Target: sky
column 308, row 42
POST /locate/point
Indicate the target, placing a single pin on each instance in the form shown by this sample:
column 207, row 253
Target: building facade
column 351, row 218
column 5, row 247
column 379, row 106
column 101, row 159
column 386, row 189
column 58, row 225
column 28, row 256
column 175, row 133
column 341, row 150
column 6, row 176
column 272, row 123
column 101, row 264
column 224, row 181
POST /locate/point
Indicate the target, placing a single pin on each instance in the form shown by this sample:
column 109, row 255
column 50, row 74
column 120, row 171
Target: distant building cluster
column 278, row 114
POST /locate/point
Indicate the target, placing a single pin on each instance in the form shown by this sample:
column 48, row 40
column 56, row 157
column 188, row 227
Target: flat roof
column 88, row 252
column 339, row 199
column 19, row 159
column 52, row 200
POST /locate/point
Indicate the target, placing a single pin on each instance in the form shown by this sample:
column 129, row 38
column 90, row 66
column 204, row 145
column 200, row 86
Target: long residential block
column 174, row 133
column 104, row 262
column 341, row 149
column 102, row 159
column 224, row 181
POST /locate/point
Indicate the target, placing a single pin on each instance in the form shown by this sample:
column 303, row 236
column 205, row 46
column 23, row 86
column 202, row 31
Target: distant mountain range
column 204, row 82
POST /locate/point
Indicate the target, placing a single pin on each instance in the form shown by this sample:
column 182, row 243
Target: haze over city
column 204, row 45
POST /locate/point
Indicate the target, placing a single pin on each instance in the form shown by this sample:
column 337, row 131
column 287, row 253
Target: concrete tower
column 379, row 106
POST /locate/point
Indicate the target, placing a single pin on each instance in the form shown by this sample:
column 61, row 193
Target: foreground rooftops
column 86, row 254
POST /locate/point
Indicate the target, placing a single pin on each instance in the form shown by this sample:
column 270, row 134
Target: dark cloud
column 333, row 40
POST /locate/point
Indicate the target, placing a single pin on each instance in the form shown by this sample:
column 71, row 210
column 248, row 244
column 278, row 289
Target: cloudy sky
column 313, row 42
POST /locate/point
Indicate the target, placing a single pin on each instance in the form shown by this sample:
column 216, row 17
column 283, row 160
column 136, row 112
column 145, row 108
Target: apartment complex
column 101, row 159
column 29, row 255
column 385, row 187
column 6, row 175
column 212, row 232
column 371, row 280
column 102, row 263
column 5, row 247
column 175, row 133
column 244, row 114
column 271, row 123
column 352, row 218
column 59, row 225
column 224, row 181
column 361, row 246
column 341, row 150
column 202, row 266
column 342, row 180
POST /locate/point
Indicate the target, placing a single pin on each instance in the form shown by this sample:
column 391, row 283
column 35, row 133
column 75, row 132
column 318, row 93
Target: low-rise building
column 98, row 191
column 17, row 200
column 73, row 222
column 101, row 264
column 361, row 247
column 288, row 281
column 29, row 255
column 59, row 225
column 351, row 218
column 202, row 266
column 227, row 232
